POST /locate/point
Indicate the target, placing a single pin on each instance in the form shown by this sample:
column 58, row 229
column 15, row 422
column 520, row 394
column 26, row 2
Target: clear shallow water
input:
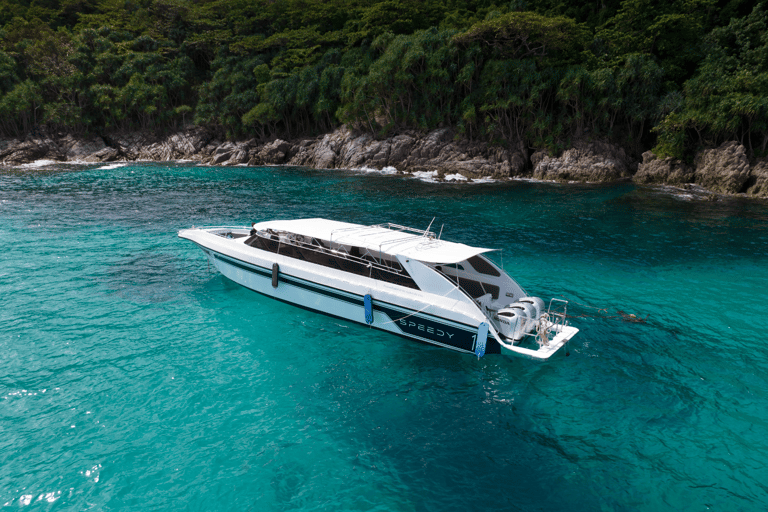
column 133, row 378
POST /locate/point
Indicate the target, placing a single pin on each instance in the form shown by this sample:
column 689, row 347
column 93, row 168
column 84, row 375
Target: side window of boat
column 477, row 289
column 396, row 276
column 457, row 266
column 482, row 266
column 474, row 288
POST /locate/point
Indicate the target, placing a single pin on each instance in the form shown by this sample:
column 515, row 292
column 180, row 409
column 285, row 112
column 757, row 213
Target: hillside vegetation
column 677, row 75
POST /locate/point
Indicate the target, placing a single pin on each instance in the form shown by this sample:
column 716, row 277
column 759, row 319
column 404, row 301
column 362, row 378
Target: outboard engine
column 521, row 318
column 517, row 319
column 537, row 304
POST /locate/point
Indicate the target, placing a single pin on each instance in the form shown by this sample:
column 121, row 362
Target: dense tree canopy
column 674, row 74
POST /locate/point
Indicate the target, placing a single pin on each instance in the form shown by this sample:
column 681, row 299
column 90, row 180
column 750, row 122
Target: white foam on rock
column 432, row 177
column 113, row 166
column 484, row 179
column 38, row 163
column 385, row 170
column 428, row 176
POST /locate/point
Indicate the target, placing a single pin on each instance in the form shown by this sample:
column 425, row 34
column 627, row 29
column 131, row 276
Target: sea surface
column 133, row 377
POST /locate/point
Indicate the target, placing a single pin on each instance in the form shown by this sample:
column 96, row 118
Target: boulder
column 223, row 153
column 328, row 148
column 362, row 150
column 757, row 185
column 16, row 152
column 724, row 169
column 589, row 162
column 274, row 153
column 427, row 149
column 78, row 149
column 148, row 146
column 239, row 155
column 8, row 147
column 665, row 171
column 188, row 143
column 131, row 146
column 301, row 154
column 400, row 148
column 105, row 155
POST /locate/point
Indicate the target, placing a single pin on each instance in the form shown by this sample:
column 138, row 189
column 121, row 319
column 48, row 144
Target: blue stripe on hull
column 413, row 326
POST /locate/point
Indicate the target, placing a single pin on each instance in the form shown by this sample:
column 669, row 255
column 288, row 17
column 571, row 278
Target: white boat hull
column 449, row 320
column 404, row 312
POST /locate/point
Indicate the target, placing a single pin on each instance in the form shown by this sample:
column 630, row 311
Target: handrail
column 337, row 253
column 398, row 227
column 220, row 227
column 492, row 322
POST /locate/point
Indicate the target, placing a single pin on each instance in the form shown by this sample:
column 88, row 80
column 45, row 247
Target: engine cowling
column 520, row 318
column 517, row 319
column 537, row 304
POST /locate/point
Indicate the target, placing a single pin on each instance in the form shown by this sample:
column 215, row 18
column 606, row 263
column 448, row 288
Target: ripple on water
column 133, row 377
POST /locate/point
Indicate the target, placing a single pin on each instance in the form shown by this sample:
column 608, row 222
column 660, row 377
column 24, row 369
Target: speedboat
column 402, row 280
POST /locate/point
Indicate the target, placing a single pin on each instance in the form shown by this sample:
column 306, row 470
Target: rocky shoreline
column 722, row 170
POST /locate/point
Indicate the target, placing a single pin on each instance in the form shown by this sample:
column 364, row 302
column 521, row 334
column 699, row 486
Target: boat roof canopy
column 379, row 238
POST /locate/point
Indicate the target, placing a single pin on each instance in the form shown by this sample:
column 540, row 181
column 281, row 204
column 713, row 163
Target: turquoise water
column 134, row 378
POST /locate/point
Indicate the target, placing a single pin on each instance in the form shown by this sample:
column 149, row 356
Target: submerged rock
column 593, row 161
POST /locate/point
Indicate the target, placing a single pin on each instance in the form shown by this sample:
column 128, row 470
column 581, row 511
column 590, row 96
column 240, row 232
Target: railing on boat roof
column 380, row 263
column 387, row 225
column 428, row 235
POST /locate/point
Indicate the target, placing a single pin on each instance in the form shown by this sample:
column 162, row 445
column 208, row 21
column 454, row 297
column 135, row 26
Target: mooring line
column 626, row 317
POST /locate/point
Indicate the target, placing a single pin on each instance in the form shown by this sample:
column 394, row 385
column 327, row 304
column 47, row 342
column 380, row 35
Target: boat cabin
column 379, row 252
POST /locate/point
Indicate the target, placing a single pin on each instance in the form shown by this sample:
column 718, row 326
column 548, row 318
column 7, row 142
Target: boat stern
column 531, row 331
column 547, row 349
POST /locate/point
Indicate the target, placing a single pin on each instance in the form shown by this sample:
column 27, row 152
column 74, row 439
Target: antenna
column 430, row 225
column 441, row 232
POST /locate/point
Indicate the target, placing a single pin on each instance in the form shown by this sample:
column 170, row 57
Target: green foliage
column 728, row 96
column 21, row 108
column 528, row 34
column 410, row 84
column 679, row 74
column 668, row 30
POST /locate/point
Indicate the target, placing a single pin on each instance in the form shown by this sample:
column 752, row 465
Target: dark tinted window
column 474, row 288
column 477, row 289
column 483, row 266
column 333, row 261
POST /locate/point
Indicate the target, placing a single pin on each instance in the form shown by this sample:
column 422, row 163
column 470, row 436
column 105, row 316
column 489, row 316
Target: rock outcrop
column 590, row 162
column 724, row 169
column 408, row 152
column 79, row 149
column 105, row 155
column 665, row 171
column 16, row 152
column 273, row 153
column 757, row 185
column 146, row 146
